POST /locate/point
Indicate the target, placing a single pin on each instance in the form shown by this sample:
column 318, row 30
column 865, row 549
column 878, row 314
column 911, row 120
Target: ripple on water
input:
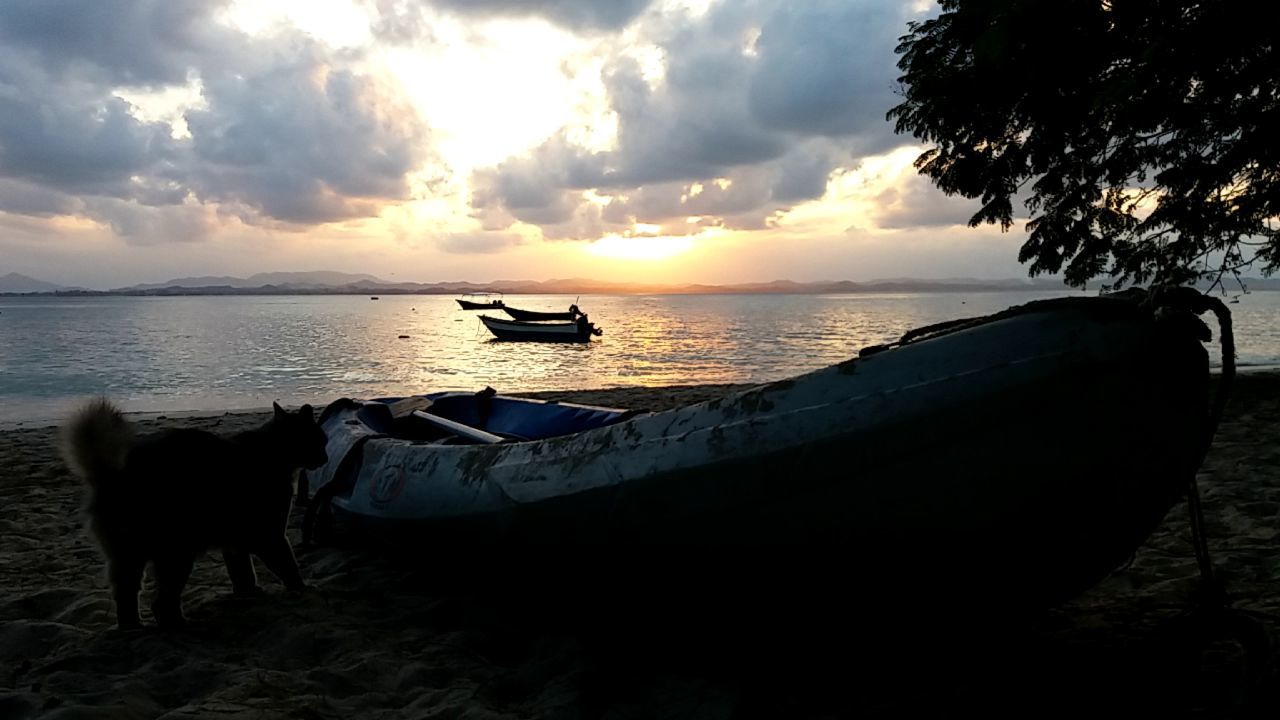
column 236, row 352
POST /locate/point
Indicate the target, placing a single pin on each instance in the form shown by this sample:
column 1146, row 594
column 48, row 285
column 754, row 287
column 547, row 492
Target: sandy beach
column 375, row 638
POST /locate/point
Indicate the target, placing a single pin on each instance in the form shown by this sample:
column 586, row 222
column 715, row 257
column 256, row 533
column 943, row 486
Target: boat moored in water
column 538, row 315
column 481, row 301
column 579, row 330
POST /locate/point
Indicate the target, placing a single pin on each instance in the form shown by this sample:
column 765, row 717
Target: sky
column 438, row 140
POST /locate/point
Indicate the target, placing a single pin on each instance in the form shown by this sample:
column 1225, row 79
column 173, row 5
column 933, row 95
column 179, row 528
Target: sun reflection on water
column 223, row 352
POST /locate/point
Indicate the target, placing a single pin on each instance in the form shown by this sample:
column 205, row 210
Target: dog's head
column 302, row 438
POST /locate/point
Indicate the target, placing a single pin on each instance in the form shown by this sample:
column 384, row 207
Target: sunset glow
column 640, row 248
column 446, row 140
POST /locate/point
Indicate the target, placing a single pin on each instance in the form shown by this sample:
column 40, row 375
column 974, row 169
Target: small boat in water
column 1016, row 459
column 579, row 330
column 537, row 315
column 481, row 301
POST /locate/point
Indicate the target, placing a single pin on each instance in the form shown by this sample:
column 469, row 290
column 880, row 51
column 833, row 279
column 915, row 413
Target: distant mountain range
column 15, row 283
column 318, row 279
column 338, row 283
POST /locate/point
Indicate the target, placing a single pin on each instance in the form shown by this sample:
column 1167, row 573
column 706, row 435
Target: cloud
column 287, row 130
column 119, row 42
column 827, row 68
column 744, row 198
column 479, row 243
column 571, row 14
column 141, row 224
column 803, row 172
column 71, row 136
column 23, row 198
column 912, row 201
column 755, row 105
column 302, row 141
column 405, row 20
column 740, row 201
column 727, row 116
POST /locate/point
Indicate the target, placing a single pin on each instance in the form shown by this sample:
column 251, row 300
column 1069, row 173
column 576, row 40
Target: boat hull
column 470, row 305
column 537, row 332
column 1052, row 442
column 535, row 315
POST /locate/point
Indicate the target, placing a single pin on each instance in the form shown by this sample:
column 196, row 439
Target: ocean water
column 217, row 353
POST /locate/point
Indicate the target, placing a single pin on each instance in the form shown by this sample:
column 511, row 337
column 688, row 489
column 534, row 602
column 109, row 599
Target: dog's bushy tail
column 95, row 441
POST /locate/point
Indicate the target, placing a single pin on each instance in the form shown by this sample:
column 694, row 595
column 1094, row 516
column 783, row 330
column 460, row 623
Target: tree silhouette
column 1141, row 135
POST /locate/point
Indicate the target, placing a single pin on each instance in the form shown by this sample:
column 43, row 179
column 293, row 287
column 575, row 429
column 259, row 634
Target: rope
column 1227, row 338
column 1213, row 594
column 1211, row 616
column 1179, row 298
column 319, row 504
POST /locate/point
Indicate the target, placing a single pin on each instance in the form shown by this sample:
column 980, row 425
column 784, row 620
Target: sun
column 651, row 248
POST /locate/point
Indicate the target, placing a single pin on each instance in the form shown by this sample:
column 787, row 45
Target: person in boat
column 574, row 311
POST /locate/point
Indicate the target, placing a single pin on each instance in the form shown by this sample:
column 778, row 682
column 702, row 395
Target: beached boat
column 537, row 315
column 1016, row 458
column 481, row 301
column 580, row 330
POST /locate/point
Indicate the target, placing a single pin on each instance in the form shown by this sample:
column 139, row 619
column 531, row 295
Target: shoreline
column 620, row 394
column 617, row 393
column 377, row 637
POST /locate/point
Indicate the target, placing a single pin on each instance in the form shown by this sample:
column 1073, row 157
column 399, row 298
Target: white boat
column 580, row 330
column 1025, row 455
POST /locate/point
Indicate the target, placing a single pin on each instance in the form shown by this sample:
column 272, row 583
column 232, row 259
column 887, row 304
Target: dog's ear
column 280, row 413
column 307, row 412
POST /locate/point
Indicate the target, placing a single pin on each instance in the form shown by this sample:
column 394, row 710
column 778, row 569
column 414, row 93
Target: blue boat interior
column 508, row 418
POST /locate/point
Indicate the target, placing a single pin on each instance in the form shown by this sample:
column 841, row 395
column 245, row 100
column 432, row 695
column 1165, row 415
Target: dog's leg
column 172, row 571
column 244, row 580
column 277, row 554
column 125, row 574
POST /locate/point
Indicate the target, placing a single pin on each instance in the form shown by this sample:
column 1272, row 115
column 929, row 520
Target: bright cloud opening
column 618, row 247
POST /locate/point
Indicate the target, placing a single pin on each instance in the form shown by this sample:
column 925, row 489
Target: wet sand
column 376, row 637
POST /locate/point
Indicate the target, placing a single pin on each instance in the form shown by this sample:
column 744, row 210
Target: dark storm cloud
column 802, row 174
column 74, row 145
column 772, row 96
column 695, row 126
column 404, row 20
column 287, row 133
column 584, row 222
column 302, row 142
column 544, row 188
column 743, row 198
column 827, row 68
column 124, row 42
column 572, row 14
column 743, row 193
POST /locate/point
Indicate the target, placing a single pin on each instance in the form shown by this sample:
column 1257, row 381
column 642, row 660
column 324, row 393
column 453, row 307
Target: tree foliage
column 1143, row 136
